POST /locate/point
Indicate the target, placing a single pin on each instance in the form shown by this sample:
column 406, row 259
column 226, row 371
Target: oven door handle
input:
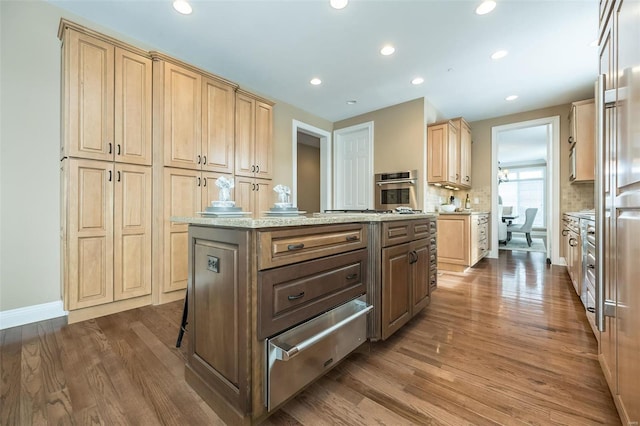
column 390, row 182
column 283, row 354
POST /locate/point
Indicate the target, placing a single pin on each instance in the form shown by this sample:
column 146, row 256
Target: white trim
column 553, row 183
column 29, row 314
column 326, row 195
column 369, row 125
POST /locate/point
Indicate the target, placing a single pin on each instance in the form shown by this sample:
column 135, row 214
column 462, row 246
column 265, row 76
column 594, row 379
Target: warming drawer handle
column 292, row 247
column 297, row 296
column 285, row 355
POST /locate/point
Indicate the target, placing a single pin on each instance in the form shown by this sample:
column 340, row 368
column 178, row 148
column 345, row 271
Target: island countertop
column 302, row 220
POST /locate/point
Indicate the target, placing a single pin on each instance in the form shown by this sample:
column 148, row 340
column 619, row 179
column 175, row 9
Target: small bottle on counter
column 467, row 203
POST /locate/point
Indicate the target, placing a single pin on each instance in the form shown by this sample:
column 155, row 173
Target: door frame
column 553, row 183
column 336, row 158
column 326, row 193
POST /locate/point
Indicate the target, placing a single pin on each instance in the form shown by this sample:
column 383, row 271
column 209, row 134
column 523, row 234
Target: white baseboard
column 29, row 314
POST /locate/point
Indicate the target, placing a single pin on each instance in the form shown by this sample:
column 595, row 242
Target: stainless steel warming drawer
column 300, row 355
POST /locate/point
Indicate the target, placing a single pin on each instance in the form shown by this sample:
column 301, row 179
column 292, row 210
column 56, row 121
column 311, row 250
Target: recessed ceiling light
column 387, row 50
column 352, row 102
column 594, row 43
column 315, row 81
column 511, row 98
column 338, row 4
column 416, row 81
column 499, row 54
column 182, row 6
column 486, row 7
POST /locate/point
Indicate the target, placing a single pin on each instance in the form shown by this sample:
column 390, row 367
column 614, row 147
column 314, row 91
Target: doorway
column 306, row 134
column 529, row 151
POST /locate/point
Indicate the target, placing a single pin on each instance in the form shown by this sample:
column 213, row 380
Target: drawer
column 292, row 294
column 283, row 247
column 433, row 227
column 399, row 232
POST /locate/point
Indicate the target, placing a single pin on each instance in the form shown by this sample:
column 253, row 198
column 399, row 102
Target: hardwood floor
column 506, row 343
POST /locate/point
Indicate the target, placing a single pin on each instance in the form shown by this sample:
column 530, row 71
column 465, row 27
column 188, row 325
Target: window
column 526, row 188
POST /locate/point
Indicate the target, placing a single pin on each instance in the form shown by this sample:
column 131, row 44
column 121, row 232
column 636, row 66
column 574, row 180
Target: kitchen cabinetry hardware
column 565, row 232
column 352, row 238
column 292, row 247
column 204, row 159
column 118, row 151
column 297, row 296
column 610, row 308
column 570, row 140
column 573, row 242
column 352, row 276
column 204, row 182
column 199, row 180
column 118, row 176
column 591, row 309
column 110, row 148
column 590, row 266
column 198, row 159
column 110, row 175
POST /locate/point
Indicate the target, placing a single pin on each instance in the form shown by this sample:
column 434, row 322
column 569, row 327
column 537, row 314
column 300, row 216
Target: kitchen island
column 276, row 302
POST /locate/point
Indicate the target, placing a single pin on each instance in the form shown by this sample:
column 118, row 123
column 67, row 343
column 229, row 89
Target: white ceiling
column 526, row 145
column 275, row 47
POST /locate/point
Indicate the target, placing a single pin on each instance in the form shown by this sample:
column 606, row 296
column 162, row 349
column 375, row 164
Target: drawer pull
column 353, row 238
column 297, row 296
column 590, row 266
column 352, row 276
column 591, row 309
column 292, row 247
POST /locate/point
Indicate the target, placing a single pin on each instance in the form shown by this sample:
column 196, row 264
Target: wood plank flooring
column 507, row 343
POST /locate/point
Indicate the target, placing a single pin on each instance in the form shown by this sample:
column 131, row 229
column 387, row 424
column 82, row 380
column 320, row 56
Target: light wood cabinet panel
column 421, row 273
column 254, row 137
column 133, row 109
column 582, row 122
column 88, row 78
column 449, row 153
column 132, row 231
column 462, row 240
column 218, row 126
column 182, row 195
column 465, row 153
column 182, row 117
column 254, row 195
column 89, row 243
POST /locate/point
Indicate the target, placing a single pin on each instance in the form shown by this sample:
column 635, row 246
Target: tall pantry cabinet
column 618, row 203
column 105, row 174
column 194, row 134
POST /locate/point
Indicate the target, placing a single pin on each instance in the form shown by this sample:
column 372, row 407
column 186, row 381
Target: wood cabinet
column 194, row 117
column 106, row 232
column 449, row 153
column 405, row 261
column 186, row 192
column 582, row 141
column 573, row 250
column 254, row 136
column 462, row 240
column 254, row 195
column 618, row 195
column 106, row 99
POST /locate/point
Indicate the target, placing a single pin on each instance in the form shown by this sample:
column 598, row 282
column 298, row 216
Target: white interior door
column 353, row 169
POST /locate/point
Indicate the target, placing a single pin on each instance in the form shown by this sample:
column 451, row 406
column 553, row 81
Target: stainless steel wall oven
column 396, row 189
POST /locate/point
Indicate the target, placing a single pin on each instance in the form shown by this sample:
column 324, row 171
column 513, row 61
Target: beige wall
column 308, row 178
column 399, row 138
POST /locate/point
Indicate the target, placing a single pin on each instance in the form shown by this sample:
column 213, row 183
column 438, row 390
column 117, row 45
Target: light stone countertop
column 462, row 213
column 302, row 220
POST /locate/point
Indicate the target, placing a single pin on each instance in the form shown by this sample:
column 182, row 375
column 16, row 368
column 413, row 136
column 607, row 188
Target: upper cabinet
column 581, row 140
column 106, row 100
column 195, row 119
column 449, row 153
column 254, row 136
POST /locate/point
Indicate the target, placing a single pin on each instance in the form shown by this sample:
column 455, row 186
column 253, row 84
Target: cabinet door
column 182, row 198
column 132, row 108
column 585, row 136
column 245, row 135
column 453, row 155
column 88, row 107
column 218, row 126
column 437, row 153
column 420, row 280
column 453, row 239
column 182, row 92
column 264, row 197
column 264, row 141
column 132, row 231
column 396, row 288
column 90, row 239
column 244, row 190
column 465, row 154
